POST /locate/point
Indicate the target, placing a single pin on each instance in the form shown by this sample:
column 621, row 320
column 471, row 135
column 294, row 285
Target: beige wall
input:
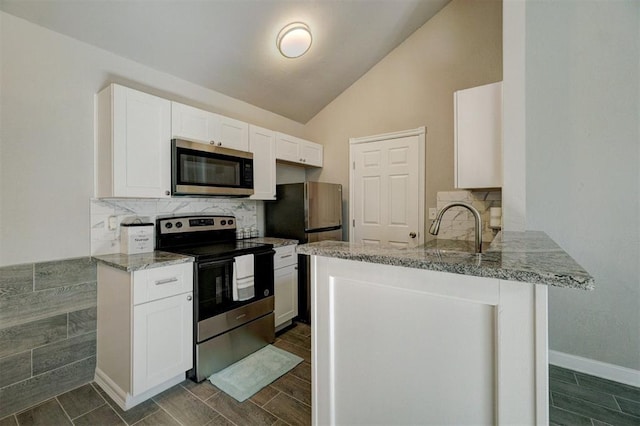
column 413, row 86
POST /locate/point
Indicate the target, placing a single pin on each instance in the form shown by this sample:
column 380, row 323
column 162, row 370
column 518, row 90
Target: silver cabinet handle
column 219, row 143
column 167, row 281
column 212, row 143
column 167, row 192
column 286, row 255
column 189, row 297
column 241, row 316
column 412, row 234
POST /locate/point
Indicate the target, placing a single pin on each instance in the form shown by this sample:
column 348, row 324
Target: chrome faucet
column 435, row 226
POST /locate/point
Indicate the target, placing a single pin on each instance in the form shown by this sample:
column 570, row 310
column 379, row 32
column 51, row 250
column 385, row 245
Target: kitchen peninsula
column 435, row 334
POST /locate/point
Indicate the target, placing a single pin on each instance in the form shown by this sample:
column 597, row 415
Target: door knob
column 412, row 234
column 189, row 297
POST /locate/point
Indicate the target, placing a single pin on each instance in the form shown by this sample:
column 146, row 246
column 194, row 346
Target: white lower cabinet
column 145, row 331
column 285, row 285
column 162, row 344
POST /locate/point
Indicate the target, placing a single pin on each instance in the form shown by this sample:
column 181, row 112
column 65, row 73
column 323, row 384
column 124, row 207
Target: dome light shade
column 294, row 40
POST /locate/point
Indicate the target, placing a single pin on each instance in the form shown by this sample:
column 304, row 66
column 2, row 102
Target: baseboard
column 124, row 399
column 600, row 369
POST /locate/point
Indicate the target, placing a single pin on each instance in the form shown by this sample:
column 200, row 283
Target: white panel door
column 162, row 340
column 386, row 186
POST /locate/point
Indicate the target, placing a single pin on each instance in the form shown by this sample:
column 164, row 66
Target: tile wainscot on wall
column 48, row 309
column 47, row 330
column 458, row 223
column 105, row 240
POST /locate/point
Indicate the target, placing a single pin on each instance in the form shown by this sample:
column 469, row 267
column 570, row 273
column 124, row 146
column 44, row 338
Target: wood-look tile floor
column 574, row 399
column 287, row 401
column 580, row 399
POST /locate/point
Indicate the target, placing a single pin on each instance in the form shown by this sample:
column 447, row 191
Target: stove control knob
column 223, row 222
column 266, row 293
column 178, row 224
column 168, row 225
column 230, row 222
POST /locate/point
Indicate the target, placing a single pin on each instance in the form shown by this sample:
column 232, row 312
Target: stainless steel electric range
column 225, row 330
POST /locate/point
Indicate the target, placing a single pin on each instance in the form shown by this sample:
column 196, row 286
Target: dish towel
column 243, row 288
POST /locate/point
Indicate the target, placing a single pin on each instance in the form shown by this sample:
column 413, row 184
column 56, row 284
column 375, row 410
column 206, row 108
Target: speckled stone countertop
column 529, row 256
column 136, row 262
column 277, row 242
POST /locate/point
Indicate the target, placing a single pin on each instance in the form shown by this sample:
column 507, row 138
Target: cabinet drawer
column 285, row 256
column 158, row 283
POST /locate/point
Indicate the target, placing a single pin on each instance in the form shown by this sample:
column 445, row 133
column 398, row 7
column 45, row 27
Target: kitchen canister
column 136, row 238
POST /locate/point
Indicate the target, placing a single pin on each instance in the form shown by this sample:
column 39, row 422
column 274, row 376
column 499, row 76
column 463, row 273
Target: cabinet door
column 286, row 294
column 262, row 144
column 162, row 341
column 193, row 123
column 287, row 148
column 478, row 137
column 232, row 133
column 311, row 153
column 141, row 144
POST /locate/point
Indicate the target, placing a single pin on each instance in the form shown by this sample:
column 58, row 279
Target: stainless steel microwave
column 198, row 169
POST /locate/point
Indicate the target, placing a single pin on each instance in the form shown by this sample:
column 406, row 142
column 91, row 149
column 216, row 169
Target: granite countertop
column 136, row 262
column 529, row 256
column 277, row 242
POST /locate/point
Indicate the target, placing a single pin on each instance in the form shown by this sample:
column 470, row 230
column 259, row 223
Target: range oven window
column 215, row 291
column 215, row 287
column 208, row 170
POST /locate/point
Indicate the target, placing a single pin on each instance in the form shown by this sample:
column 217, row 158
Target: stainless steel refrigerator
column 307, row 212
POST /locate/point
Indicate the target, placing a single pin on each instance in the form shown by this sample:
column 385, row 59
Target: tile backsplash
column 104, row 240
column 458, row 223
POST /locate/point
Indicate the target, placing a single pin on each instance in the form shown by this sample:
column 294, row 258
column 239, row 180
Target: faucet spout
column 435, row 226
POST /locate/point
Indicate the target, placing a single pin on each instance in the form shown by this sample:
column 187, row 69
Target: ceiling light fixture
column 294, row 40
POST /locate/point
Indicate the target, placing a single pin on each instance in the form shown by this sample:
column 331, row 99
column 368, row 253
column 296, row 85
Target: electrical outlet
column 113, row 223
column 432, row 212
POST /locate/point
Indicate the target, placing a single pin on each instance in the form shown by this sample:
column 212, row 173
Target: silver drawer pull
column 167, row 281
column 286, row 255
column 241, row 316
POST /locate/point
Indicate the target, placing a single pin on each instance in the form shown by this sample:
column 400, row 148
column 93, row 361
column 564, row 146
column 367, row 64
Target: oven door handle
column 207, row 265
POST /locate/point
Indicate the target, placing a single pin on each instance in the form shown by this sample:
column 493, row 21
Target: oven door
column 214, row 295
column 199, row 169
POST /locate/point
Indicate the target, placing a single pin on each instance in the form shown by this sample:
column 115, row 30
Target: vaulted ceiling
column 229, row 45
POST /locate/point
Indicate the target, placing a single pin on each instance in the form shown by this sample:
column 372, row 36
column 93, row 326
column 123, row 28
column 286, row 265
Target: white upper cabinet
column 192, row 123
column 232, row 134
column 478, row 137
column 262, row 143
column 296, row 150
column 206, row 127
column 132, row 144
